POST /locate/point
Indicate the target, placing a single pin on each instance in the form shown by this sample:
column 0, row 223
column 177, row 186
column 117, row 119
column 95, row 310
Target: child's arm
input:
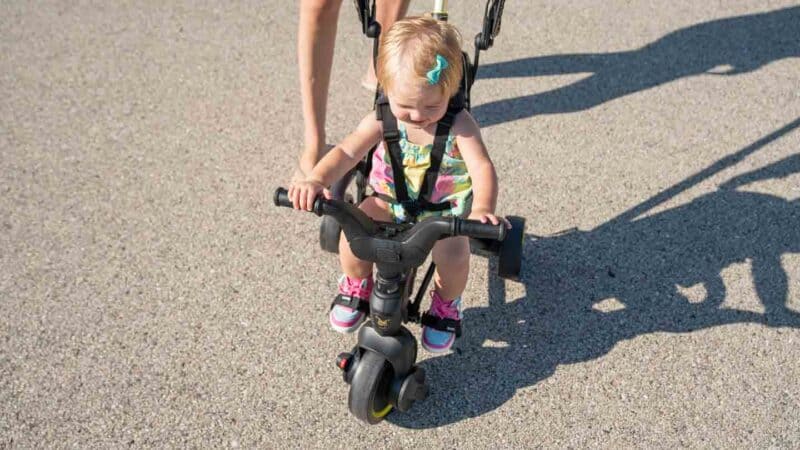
column 480, row 168
column 336, row 163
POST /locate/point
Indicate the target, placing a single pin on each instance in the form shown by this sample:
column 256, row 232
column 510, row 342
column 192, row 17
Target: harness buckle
column 412, row 207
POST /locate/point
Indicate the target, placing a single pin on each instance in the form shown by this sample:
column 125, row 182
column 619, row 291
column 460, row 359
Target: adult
column 315, row 44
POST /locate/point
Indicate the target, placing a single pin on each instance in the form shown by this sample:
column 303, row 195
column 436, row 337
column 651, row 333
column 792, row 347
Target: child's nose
column 415, row 116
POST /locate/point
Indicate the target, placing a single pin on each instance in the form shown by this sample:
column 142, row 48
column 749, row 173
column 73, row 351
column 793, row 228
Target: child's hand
column 297, row 176
column 486, row 216
column 303, row 193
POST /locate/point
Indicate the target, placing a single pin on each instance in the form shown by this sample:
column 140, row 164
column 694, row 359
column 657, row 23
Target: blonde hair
column 412, row 44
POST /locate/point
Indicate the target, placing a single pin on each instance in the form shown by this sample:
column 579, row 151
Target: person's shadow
column 728, row 46
column 585, row 291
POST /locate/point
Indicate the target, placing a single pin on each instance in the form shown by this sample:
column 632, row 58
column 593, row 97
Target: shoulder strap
column 391, row 135
column 439, row 147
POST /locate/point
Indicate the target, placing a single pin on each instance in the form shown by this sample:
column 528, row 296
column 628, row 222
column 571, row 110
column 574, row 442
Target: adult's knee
column 321, row 7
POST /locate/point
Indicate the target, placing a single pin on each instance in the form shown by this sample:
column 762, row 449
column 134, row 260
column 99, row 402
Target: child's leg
column 352, row 266
column 355, row 285
column 452, row 268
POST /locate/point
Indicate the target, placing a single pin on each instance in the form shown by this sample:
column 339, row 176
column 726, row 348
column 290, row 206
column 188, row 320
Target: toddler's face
column 416, row 105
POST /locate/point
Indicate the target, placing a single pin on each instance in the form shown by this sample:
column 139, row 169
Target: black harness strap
column 439, row 145
column 391, row 136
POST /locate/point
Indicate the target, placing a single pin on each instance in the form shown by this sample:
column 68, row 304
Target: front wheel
column 369, row 390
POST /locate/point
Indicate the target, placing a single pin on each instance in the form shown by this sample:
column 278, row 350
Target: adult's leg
column 315, row 43
column 388, row 12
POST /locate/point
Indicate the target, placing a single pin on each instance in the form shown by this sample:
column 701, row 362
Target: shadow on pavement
column 641, row 263
column 728, row 46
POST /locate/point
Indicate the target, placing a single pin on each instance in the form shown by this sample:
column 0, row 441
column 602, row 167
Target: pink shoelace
column 353, row 287
column 442, row 308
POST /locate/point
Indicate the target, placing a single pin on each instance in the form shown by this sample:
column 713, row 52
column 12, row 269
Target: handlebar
column 460, row 227
column 408, row 247
column 281, row 198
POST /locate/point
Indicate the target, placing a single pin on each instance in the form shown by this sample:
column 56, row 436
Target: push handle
column 440, row 10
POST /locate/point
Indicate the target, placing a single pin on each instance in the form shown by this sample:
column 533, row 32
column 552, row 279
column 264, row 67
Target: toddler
column 419, row 68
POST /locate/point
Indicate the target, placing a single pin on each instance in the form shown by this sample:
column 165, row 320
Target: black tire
column 329, row 233
column 369, row 391
column 510, row 254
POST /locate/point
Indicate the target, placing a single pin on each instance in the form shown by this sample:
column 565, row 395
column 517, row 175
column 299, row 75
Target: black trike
column 381, row 369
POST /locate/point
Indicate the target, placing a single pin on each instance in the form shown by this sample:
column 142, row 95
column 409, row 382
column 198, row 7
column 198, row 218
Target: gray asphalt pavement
column 152, row 296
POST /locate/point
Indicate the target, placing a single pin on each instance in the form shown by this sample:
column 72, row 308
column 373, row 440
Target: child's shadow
column 642, row 264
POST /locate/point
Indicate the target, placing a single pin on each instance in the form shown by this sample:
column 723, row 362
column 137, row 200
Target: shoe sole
column 437, row 349
column 343, row 329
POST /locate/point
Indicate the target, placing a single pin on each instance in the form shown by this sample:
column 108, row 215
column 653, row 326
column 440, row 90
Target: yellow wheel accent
column 382, row 412
column 369, row 390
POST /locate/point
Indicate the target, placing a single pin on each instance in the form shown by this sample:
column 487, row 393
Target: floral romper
column 453, row 183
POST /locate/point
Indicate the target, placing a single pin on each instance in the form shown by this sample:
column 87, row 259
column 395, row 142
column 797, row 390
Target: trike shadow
column 729, row 46
column 585, row 291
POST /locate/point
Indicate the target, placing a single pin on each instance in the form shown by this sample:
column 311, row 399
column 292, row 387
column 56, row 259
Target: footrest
column 437, row 323
column 351, row 302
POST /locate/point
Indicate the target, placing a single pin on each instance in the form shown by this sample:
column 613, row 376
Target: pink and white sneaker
column 441, row 324
column 351, row 306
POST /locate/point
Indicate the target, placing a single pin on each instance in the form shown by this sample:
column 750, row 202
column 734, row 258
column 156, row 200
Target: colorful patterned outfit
column 453, row 184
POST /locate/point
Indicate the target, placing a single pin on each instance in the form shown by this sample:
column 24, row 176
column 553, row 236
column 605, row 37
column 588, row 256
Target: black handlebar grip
column 281, row 198
column 476, row 229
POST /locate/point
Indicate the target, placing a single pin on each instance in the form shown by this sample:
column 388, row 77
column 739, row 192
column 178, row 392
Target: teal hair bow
column 434, row 74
